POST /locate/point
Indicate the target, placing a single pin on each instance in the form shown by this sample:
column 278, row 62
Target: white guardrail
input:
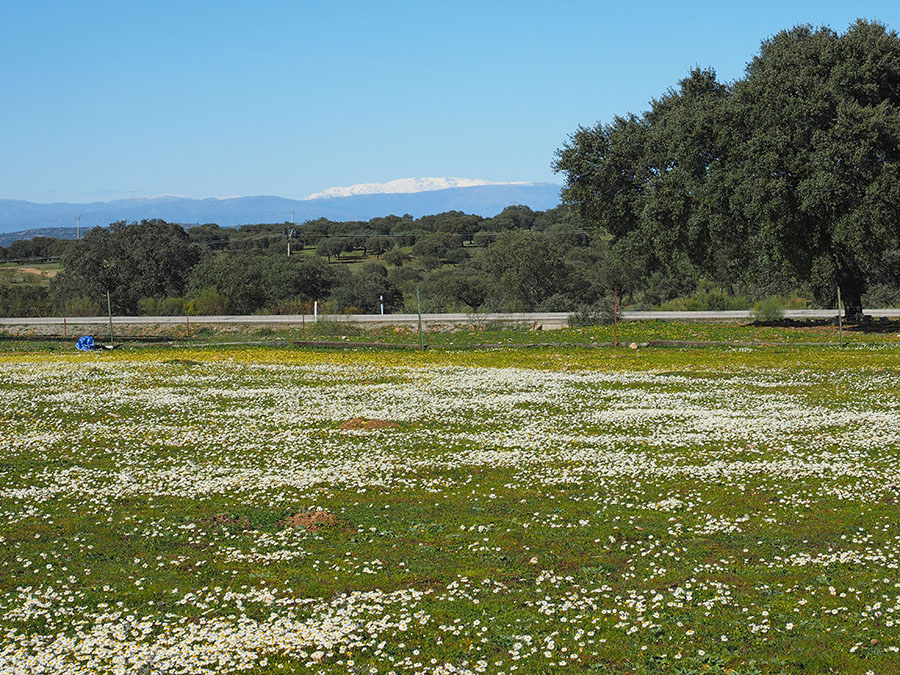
column 546, row 319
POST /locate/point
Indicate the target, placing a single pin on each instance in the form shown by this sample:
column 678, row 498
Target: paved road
column 546, row 319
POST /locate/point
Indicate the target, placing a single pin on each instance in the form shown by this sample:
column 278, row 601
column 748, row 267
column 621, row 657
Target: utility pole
column 290, row 234
column 77, row 227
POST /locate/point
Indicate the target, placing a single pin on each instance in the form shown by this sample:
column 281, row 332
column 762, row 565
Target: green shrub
column 598, row 314
column 881, row 296
column 558, row 302
column 208, row 301
column 707, row 301
column 161, row 306
column 793, row 301
column 24, row 300
column 290, row 306
column 80, row 306
column 770, row 309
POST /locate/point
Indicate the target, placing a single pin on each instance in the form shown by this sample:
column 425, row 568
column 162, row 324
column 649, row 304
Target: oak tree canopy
column 799, row 159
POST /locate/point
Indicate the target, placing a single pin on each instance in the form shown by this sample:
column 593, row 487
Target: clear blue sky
column 104, row 100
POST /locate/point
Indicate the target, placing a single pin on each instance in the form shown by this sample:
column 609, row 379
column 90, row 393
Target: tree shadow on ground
column 872, row 325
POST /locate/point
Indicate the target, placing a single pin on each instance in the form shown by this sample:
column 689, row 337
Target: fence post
column 419, row 309
column 840, row 318
column 112, row 341
column 615, row 318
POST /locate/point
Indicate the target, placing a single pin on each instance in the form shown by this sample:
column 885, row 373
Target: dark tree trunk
column 851, row 295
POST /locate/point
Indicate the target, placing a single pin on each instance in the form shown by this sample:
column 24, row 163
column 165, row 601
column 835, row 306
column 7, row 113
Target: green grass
column 492, row 333
column 551, row 509
column 479, row 334
column 32, row 274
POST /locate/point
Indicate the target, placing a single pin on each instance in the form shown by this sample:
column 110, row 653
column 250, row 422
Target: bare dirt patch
column 313, row 521
column 43, row 273
column 364, row 423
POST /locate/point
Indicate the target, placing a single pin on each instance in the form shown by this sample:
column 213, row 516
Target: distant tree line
column 36, row 249
column 519, row 260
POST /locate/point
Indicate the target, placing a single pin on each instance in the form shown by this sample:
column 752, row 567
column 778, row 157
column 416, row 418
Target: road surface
column 545, row 319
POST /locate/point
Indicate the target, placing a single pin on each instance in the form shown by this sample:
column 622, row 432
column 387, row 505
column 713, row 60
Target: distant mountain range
column 361, row 203
column 405, row 186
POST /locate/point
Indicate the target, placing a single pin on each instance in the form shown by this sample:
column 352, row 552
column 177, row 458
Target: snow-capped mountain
column 404, row 186
column 479, row 197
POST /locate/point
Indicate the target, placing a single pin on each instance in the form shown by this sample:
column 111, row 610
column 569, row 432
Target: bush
column 706, row 301
column 362, row 293
column 161, row 306
column 598, row 314
column 24, row 300
column 881, row 296
column 396, row 257
column 290, row 306
column 558, row 302
column 82, row 305
column 770, row 309
column 430, row 262
column 207, row 301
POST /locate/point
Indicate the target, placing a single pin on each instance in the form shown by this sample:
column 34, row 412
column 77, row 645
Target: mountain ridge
column 406, row 186
column 484, row 200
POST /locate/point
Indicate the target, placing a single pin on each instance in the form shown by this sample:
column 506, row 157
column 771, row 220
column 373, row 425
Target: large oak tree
column 799, row 159
column 148, row 259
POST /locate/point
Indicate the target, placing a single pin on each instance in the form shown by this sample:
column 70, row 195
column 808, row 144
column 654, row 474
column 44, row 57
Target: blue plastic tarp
column 86, row 343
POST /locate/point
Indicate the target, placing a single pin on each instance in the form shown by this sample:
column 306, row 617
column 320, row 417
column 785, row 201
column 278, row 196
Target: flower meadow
column 274, row 510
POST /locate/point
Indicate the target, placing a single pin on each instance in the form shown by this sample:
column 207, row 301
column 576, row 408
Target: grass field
column 265, row 510
column 477, row 334
column 35, row 273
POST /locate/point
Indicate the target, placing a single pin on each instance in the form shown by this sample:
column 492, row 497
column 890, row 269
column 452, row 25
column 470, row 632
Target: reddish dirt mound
column 363, row 423
column 314, row 521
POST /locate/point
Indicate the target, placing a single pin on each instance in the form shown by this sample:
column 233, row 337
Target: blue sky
column 106, row 100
